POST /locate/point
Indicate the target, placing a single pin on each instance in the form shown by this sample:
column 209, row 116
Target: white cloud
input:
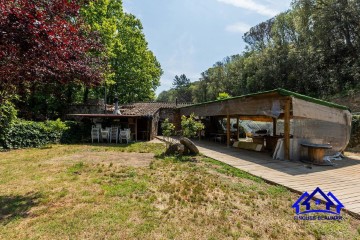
column 238, row 27
column 253, row 6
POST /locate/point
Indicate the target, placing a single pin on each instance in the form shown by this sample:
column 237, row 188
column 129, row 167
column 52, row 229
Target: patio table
column 316, row 152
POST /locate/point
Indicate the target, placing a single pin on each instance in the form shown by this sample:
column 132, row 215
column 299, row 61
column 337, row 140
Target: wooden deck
column 343, row 180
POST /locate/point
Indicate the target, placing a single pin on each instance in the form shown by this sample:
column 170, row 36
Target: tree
column 167, row 96
column 44, row 41
column 134, row 72
column 181, row 82
column 182, row 88
column 312, row 48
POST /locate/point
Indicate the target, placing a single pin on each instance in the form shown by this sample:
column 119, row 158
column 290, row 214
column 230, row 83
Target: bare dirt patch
column 116, row 158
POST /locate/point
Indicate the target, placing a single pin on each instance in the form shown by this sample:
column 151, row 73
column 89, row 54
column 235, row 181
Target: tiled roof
column 143, row 108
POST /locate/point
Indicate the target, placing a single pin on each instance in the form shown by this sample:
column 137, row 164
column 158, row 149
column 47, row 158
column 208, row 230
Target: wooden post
column 228, row 130
column 287, row 129
column 274, row 126
column 238, row 129
column 136, row 130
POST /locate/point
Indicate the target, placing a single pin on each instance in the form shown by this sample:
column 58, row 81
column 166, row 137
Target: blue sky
column 189, row 36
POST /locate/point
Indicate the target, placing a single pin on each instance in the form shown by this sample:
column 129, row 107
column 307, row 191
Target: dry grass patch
column 105, row 158
column 105, row 192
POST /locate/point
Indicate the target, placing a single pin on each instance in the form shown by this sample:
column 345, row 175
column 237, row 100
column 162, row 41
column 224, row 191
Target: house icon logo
column 305, row 200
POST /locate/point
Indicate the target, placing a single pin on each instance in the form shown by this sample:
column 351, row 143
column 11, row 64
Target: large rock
column 190, row 145
column 175, row 149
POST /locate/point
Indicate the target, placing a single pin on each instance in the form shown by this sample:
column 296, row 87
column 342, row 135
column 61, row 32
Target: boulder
column 175, row 149
column 190, row 145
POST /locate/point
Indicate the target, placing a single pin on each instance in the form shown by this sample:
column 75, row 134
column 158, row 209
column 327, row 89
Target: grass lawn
column 124, row 192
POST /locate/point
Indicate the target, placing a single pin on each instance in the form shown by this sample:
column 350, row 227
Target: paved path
column 343, row 180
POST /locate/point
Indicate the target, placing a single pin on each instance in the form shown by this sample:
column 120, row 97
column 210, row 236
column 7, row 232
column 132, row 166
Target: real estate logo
column 329, row 209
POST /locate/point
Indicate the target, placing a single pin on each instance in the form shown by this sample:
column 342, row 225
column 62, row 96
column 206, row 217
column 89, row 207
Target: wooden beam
column 287, row 129
column 228, row 131
column 256, row 118
column 274, row 126
column 238, row 129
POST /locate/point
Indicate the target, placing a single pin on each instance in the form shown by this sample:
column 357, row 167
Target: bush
column 190, row 127
column 7, row 117
column 25, row 134
column 168, row 129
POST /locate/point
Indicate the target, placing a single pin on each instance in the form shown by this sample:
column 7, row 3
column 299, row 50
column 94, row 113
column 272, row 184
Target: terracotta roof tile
column 143, row 108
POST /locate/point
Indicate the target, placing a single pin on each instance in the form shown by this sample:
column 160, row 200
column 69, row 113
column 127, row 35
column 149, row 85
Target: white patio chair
column 95, row 134
column 114, row 134
column 105, row 134
column 124, row 134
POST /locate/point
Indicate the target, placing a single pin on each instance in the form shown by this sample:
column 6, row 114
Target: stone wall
column 173, row 115
column 93, row 106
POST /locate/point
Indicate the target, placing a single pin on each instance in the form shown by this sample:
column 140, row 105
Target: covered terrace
column 296, row 119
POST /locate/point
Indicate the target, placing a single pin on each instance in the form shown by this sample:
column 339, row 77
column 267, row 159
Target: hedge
column 25, row 134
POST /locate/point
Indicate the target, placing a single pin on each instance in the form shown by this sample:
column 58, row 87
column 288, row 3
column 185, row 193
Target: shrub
column 7, row 117
column 168, row 129
column 23, row 134
column 190, row 127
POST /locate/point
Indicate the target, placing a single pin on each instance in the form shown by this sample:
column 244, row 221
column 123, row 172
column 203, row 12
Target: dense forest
column 57, row 52
column 313, row 48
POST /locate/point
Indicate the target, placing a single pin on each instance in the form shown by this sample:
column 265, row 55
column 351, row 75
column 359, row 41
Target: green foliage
column 312, row 49
column 25, row 134
column 7, row 117
column 223, row 95
column 182, row 91
column 182, row 88
column 190, row 127
column 167, row 96
column 134, row 72
column 48, row 101
column 180, row 82
column 168, row 129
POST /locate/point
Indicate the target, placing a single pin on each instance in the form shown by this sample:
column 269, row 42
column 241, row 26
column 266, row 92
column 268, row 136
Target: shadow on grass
column 16, row 206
